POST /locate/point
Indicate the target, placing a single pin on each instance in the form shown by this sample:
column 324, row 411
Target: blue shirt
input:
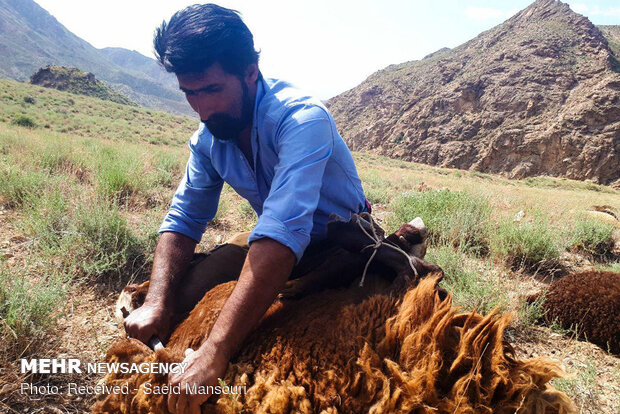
column 303, row 172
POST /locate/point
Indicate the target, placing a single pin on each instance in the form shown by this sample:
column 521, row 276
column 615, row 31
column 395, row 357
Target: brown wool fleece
column 590, row 301
column 357, row 350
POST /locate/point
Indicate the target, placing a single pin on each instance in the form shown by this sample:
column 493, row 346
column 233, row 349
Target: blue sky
column 324, row 46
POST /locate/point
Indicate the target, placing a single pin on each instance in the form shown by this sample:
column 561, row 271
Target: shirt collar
column 260, row 92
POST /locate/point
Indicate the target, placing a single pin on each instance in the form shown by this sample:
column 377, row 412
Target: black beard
column 227, row 128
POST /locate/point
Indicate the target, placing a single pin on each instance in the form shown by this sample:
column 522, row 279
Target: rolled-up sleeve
column 304, row 143
column 196, row 199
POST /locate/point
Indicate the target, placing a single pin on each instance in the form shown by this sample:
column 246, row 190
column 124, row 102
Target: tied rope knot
column 378, row 243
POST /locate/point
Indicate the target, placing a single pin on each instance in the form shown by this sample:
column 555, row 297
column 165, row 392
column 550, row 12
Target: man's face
column 221, row 99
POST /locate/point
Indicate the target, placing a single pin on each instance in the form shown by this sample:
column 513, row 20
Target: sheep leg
column 339, row 269
column 221, row 265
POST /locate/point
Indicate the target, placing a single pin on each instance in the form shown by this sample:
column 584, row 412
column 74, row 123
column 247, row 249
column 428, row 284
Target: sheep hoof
column 294, row 289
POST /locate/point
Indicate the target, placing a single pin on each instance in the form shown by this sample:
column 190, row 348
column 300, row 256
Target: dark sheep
column 590, row 303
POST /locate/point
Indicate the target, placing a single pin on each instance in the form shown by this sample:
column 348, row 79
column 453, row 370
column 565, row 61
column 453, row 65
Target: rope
column 378, row 243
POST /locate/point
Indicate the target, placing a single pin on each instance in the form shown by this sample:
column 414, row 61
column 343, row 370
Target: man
column 276, row 147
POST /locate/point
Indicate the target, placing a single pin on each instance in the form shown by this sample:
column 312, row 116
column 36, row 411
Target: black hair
column 203, row 34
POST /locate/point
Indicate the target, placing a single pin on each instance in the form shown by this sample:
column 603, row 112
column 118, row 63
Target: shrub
column 452, row 217
column 531, row 245
column 93, row 239
column 469, row 289
column 24, row 121
column 117, row 176
column 102, row 244
column 28, row 307
column 532, row 312
column 46, row 218
column 59, row 158
column 591, row 236
column 18, row 185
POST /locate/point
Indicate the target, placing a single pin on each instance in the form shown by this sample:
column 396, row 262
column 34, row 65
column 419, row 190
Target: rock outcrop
column 76, row 81
column 536, row 95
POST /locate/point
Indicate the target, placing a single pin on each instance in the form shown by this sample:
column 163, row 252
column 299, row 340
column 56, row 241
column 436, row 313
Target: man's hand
column 148, row 321
column 203, row 369
column 265, row 271
column 172, row 256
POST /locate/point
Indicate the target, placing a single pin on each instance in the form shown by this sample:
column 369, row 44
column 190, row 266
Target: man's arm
column 266, row 269
column 194, row 204
column 172, row 256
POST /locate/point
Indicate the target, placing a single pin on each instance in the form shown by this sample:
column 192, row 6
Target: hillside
column 75, row 81
column 84, row 116
column 537, row 95
column 31, row 38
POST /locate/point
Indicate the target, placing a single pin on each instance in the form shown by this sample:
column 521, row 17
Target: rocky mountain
column 536, row 95
column 31, row 38
column 75, row 81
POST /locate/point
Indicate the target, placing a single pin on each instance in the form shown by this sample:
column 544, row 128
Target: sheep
column 391, row 344
column 588, row 302
column 355, row 350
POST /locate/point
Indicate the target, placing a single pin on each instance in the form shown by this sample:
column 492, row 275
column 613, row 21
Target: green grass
column 246, row 211
column 377, row 189
column 118, row 175
column 167, row 169
column 28, row 307
column 609, row 267
column 581, row 384
column 452, row 217
column 79, row 225
column 533, row 245
column 84, row 116
column 46, row 219
column 472, row 288
column 563, row 183
column 591, row 236
column 60, row 157
column 18, row 185
column 531, row 313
